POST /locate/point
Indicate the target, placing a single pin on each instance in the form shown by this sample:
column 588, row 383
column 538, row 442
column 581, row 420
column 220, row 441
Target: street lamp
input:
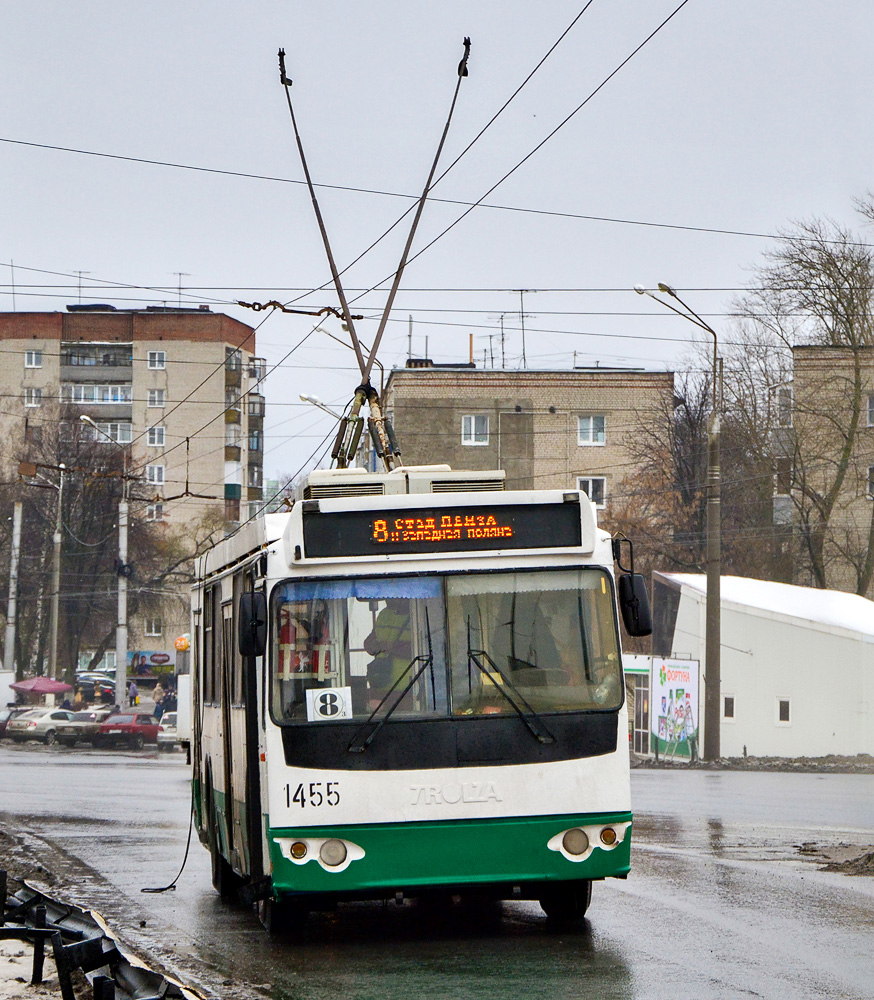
column 315, row 401
column 712, row 623
column 121, row 625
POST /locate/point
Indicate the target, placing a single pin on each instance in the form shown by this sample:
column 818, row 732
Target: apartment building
column 548, row 429
column 825, row 463
column 181, row 389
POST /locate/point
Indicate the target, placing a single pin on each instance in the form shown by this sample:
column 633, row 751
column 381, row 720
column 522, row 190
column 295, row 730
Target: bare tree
column 814, row 299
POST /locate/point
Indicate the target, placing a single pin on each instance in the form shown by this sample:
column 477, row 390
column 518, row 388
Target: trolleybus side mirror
column 633, row 599
column 634, row 604
column 252, row 623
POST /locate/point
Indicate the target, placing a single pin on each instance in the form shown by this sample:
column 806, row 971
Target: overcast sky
column 737, row 115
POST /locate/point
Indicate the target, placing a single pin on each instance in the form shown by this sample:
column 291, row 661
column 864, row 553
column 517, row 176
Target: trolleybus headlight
column 333, row 853
column 575, row 842
column 298, row 849
column 608, row 836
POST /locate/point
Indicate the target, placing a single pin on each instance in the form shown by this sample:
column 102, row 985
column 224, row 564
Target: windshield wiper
column 359, row 744
column 533, row 722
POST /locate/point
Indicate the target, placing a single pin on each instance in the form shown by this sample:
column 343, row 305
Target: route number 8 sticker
column 329, row 704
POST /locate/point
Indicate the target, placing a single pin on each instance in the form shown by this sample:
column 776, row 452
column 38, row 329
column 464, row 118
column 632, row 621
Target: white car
column 167, row 737
column 38, row 724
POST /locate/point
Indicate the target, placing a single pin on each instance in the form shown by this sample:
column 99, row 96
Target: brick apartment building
column 547, row 429
column 150, row 379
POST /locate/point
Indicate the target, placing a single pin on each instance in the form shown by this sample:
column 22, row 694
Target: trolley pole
column 12, row 605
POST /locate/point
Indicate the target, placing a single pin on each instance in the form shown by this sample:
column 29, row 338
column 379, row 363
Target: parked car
column 167, row 738
column 38, row 724
column 9, row 713
column 96, row 687
column 133, row 729
column 83, row 727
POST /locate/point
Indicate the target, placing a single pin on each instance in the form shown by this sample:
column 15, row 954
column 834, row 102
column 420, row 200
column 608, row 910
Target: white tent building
column 797, row 663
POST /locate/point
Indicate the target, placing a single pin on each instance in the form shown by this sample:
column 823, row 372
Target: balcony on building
column 96, row 362
column 257, row 369
column 256, row 406
column 233, row 407
column 233, row 367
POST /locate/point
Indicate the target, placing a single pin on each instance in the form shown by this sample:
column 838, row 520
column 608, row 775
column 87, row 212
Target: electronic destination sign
column 455, row 529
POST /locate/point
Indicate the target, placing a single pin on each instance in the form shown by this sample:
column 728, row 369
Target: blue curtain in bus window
column 365, row 590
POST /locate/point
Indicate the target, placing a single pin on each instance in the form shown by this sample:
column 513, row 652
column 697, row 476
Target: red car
column 134, row 729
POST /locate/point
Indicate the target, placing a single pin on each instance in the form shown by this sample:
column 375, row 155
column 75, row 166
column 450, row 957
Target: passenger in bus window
column 390, row 644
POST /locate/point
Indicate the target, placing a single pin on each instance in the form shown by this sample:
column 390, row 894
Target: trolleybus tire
column 567, row 901
column 282, row 916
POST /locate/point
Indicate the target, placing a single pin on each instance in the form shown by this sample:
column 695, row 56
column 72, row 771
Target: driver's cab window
column 352, row 649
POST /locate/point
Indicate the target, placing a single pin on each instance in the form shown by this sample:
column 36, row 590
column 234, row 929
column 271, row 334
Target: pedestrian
column 132, row 694
column 158, row 693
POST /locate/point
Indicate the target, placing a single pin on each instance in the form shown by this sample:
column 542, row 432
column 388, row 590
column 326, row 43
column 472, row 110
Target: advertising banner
column 151, row 663
column 674, row 707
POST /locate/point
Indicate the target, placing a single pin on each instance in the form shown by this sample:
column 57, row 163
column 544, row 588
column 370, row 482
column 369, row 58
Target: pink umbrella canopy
column 41, row 685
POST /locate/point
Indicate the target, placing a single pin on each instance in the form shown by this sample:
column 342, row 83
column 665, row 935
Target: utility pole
column 713, row 608
column 12, row 605
column 56, row 579
column 121, row 627
column 121, row 570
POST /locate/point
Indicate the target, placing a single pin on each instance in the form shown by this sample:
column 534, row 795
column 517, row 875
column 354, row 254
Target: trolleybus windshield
column 440, row 646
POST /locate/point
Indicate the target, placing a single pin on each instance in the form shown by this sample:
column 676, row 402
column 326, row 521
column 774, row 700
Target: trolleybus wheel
column 282, row 916
column 567, row 901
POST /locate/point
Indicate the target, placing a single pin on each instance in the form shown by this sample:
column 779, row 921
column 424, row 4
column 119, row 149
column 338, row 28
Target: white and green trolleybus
column 411, row 683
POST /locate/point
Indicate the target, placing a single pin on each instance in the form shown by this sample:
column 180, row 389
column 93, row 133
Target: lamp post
column 121, row 624
column 712, row 622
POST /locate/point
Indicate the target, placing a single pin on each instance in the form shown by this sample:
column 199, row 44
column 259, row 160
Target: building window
column 156, row 437
column 33, row 359
column 475, row 429
column 154, row 626
column 592, row 429
column 157, row 359
column 156, row 397
column 232, row 509
column 781, row 400
column 33, row 397
column 233, row 359
column 155, row 512
column 255, row 476
column 233, row 435
column 155, row 474
column 256, row 440
column 595, row 488
column 728, row 706
column 783, row 712
column 119, row 431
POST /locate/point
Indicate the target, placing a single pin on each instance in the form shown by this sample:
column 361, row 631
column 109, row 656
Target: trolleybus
column 411, row 683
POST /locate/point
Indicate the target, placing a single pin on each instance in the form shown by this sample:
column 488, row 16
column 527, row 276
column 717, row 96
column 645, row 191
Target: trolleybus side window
column 208, row 647
column 467, row 644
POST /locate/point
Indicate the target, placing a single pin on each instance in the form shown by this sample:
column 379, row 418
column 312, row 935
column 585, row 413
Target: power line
column 615, row 220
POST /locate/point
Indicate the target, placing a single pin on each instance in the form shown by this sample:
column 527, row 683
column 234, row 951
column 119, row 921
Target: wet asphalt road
column 720, row 902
